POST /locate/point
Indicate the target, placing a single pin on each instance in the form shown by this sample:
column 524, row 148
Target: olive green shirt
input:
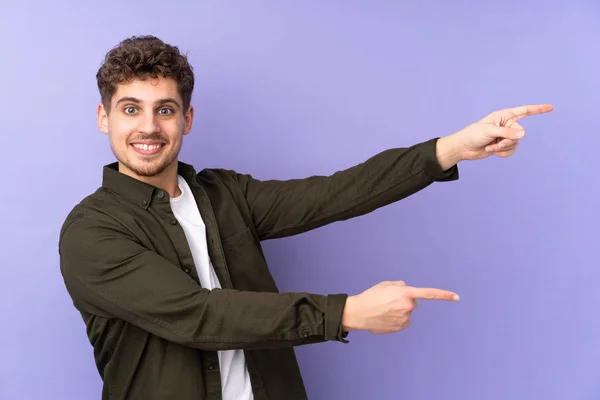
column 155, row 331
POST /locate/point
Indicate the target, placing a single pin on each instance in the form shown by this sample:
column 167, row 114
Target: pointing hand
column 498, row 133
column 387, row 306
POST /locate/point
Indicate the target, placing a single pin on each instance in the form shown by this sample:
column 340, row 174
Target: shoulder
column 78, row 212
column 88, row 217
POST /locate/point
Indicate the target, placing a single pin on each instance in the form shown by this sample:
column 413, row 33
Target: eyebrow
column 157, row 102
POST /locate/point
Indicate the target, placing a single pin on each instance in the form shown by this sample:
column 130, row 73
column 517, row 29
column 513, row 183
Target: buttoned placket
column 161, row 207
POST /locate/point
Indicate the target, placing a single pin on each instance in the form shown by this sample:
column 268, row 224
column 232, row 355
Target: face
column 146, row 125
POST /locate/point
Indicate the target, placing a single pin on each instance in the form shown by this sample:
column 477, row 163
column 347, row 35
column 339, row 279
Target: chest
column 224, row 226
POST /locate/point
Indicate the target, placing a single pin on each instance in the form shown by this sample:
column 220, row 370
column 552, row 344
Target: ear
column 102, row 119
column 188, row 120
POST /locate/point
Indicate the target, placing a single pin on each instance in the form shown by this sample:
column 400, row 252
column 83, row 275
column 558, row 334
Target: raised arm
column 284, row 208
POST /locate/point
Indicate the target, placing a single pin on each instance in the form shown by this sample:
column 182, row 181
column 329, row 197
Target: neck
column 166, row 180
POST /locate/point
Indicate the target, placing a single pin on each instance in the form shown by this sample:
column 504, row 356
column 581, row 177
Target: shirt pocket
column 246, row 263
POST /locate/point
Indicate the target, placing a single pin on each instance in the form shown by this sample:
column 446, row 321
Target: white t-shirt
column 235, row 380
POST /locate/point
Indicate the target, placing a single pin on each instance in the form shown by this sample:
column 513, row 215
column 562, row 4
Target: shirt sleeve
column 289, row 207
column 108, row 273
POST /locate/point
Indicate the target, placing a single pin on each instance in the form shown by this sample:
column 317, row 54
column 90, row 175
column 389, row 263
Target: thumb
column 504, row 132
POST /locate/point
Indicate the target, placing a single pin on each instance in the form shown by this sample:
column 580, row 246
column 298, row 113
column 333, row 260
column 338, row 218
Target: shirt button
column 173, row 222
column 161, row 195
column 187, row 269
column 305, row 334
column 211, row 366
column 144, row 202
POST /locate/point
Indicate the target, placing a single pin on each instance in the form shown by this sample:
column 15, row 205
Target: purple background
column 290, row 89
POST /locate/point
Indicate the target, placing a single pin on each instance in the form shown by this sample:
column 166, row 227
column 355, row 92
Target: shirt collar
column 137, row 191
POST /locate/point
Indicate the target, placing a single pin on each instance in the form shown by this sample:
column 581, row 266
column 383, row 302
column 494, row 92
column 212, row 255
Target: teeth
column 146, row 147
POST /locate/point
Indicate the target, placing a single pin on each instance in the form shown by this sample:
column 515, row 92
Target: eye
column 165, row 111
column 130, row 110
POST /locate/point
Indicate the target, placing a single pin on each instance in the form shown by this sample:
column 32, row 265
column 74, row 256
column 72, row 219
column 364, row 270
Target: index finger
column 431, row 294
column 525, row 111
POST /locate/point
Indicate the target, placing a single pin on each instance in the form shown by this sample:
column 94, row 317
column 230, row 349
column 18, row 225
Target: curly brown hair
column 143, row 57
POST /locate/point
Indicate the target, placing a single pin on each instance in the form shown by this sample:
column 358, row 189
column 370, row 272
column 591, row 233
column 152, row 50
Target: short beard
column 150, row 169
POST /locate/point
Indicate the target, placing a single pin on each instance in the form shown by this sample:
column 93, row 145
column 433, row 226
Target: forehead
column 148, row 90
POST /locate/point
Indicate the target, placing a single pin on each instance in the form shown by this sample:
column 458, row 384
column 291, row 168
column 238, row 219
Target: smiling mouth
column 148, row 149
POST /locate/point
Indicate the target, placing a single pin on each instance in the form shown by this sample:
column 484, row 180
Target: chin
column 151, row 169
column 147, row 169
column 147, row 172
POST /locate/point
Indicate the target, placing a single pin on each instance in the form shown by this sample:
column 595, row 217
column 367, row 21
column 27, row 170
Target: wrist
column 448, row 151
column 349, row 316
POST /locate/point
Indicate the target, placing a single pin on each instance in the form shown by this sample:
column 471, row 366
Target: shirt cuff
column 334, row 310
column 431, row 165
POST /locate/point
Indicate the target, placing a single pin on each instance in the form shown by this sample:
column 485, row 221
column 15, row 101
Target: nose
column 149, row 124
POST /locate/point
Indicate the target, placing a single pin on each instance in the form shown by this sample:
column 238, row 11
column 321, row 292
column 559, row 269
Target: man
column 165, row 264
